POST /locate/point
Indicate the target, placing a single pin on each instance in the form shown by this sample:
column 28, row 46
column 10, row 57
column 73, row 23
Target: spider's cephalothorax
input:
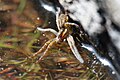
column 64, row 32
column 62, row 19
column 64, row 26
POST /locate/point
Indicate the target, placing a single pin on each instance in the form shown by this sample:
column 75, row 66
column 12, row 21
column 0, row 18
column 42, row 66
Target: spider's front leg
column 71, row 41
column 74, row 48
column 69, row 24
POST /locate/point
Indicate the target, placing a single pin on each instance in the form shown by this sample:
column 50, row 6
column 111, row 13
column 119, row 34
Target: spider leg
column 71, row 24
column 48, row 29
column 74, row 49
column 47, row 49
column 43, row 48
column 57, row 18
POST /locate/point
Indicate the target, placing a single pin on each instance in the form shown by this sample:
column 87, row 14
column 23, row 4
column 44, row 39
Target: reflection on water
column 104, row 61
column 48, row 7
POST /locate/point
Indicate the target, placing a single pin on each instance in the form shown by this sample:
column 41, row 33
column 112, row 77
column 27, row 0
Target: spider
column 64, row 33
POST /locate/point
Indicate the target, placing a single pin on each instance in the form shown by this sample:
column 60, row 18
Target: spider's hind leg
column 46, row 50
column 43, row 48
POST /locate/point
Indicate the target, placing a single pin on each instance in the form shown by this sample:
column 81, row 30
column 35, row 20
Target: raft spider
column 64, row 32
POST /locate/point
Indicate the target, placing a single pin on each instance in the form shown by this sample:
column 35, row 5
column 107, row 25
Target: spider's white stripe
column 74, row 49
column 48, row 29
